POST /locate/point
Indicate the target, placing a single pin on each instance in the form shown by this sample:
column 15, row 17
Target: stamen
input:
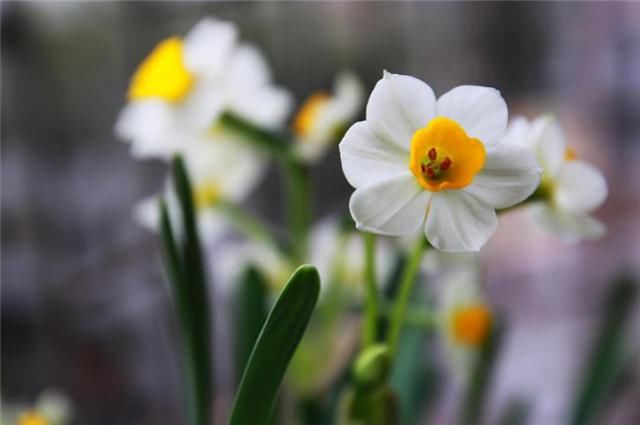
column 433, row 154
column 430, row 172
column 444, row 165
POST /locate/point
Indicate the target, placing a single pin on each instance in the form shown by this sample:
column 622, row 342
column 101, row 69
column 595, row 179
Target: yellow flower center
column 471, row 325
column 308, row 113
column 570, row 154
column 162, row 74
column 205, row 195
column 31, row 417
column 444, row 157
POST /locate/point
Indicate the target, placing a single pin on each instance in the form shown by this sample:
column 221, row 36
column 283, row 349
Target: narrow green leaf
column 250, row 313
column 183, row 261
column 606, row 362
column 274, row 348
column 480, row 382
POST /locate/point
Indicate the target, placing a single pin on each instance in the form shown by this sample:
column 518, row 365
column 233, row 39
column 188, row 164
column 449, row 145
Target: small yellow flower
column 323, row 116
column 471, row 324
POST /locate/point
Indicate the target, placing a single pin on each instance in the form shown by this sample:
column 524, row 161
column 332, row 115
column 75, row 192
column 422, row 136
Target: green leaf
column 480, row 382
column 183, row 261
column 274, row 348
column 250, row 313
column 607, row 358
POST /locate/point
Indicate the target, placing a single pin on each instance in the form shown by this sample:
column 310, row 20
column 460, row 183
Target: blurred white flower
column 570, row 188
column 51, row 408
column 230, row 260
column 436, row 166
column 339, row 256
column 221, row 167
column 322, row 117
column 464, row 317
column 184, row 85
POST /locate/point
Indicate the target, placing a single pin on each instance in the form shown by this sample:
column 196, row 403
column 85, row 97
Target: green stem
column 371, row 287
column 299, row 208
column 406, row 285
column 248, row 225
column 418, row 317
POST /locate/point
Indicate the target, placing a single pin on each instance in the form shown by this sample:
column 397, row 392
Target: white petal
column 510, row 175
column 481, row 111
column 208, row 45
column 145, row 212
column 570, row 227
column 518, row 132
column 265, row 106
column 579, row 187
column 399, row 105
column 458, row 222
column 550, row 143
column 203, row 106
column 393, row 207
column 367, row 160
column 248, row 67
column 150, row 127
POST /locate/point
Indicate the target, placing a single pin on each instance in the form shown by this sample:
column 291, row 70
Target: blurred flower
column 234, row 257
column 51, row 408
column 184, row 85
column 221, row 167
column 438, row 165
column 339, row 256
column 570, row 188
column 465, row 318
column 322, row 117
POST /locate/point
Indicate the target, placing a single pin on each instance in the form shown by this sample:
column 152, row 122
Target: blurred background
column 84, row 305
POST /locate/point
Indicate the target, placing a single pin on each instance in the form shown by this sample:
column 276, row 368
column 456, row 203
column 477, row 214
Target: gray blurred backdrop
column 84, row 306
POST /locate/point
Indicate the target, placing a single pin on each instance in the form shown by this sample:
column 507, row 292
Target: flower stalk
column 406, row 286
column 371, row 291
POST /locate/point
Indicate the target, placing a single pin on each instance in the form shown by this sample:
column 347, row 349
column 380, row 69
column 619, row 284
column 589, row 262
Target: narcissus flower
column 184, row 85
column 221, row 167
column 465, row 318
column 570, row 188
column 51, row 408
column 439, row 166
column 322, row 117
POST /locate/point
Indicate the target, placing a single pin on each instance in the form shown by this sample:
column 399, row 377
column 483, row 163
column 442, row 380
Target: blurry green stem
column 419, row 317
column 297, row 182
column 371, row 306
column 406, row 285
column 247, row 225
column 296, row 175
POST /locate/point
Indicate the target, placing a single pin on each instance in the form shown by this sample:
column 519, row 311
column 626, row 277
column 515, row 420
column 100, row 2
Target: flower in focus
column 465, row 318
column 323, row 116
column 221, row 168
column 570, row 188
column 183, row 86
column 439, row 166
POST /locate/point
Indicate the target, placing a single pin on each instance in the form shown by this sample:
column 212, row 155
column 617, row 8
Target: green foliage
column 183, row 262
column 274, row 348
column 249, row 314
column 474, row 402
column 606, row 362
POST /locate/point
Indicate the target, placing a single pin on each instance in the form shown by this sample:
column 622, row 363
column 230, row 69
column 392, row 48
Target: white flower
column 339, row 256
column 322, row 116
column 233, row 258
column 221, row 167
column 51, row 408
column 465, row 318
column 182, row 87
column 570, row 188
column 437, row 166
